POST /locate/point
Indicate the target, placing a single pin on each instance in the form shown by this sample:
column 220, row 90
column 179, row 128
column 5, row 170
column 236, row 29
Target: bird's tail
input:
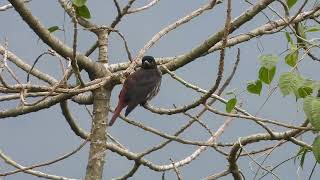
column 116, row 113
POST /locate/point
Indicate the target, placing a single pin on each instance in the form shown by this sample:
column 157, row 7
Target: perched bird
column 139, row 87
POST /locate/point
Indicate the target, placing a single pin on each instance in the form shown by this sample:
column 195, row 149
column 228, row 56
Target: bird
column 139, row 87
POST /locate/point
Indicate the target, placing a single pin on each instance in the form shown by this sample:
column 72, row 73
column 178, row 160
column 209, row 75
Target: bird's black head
column 148, row 62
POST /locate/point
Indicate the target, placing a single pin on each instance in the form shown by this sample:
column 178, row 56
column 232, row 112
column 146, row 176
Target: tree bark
column 101, row 99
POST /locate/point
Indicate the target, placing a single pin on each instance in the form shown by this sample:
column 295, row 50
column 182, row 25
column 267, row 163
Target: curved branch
column 48, row 38
column 130, row 173
column 86, row 99
column 71, row 121
column 169, row 28
column 253, row 118
column 265, row 29
column 260, row 31
column 138, row 157
column 8, row 6
column 92, row 85
column 164, row 135
column 47, row 163
column 219, row 74
column 26, row 67
column 8, row 160
column 215, row 38
column 190, row 122
column 218, row 175
column 232, row 159
column 18, row 96
column 143, row 7
column 41, row 105
column 113, row 25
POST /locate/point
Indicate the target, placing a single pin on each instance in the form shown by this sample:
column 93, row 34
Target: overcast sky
column 45, row 135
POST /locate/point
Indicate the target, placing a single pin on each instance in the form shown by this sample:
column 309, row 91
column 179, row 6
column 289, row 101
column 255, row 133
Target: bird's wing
column 140, row 84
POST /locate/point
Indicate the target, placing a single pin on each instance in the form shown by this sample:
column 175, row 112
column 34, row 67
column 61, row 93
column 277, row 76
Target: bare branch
column 47, row 37
column 26, row 67
column 233, row 167
column 275, row 122
column 218, row 175
column 74, row 61
column 9, row 6
column 17, row 96
column 190, row 122
column 117, row 6
column 256, row 161
column 8, row 160
column 176, row 170
column 172, row 62
column 130, row 173
column 215, row 38
column 153, row 2
column 115, row 22
column 169, row 28
column 46, row 163
column 71, row 121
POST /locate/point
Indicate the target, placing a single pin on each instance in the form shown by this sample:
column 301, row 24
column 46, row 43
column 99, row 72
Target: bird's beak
column 147, row 63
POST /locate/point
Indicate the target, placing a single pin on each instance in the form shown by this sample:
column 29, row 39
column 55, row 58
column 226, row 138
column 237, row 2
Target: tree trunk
column 101, row 99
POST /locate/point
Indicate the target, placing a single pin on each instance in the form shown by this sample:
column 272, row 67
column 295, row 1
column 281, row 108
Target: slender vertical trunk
column 101, row 99
column 101, row 103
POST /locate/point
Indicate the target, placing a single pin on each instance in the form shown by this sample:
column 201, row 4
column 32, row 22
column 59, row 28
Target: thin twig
column 218, row 175
column 74, row 61
column 117, row 7
column 169, row 28
column 278, row 165
column 72, row 122
column 49, row 162
column 312, row 171
column 130, row 173
column 36, row 61
column 8, row 6
column 176, row 170
column 190, row 122
column 152, row 3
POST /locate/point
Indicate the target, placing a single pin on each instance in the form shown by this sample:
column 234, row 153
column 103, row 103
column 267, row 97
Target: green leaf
column 292, row 58
column 79, row 3
column 304, row 91
column 266, row 75
column 83, row 11
column 311, row 107
column 291, row 3
column 302, row 29
column 288, row 38
column 254, row 87
column 306, row 87
column 269, row 61
column 231, row 104
column 53, row 29
column 288, row 82
column 313, row 29
column 316, row 148
column 301, row 155
column 309, row 83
